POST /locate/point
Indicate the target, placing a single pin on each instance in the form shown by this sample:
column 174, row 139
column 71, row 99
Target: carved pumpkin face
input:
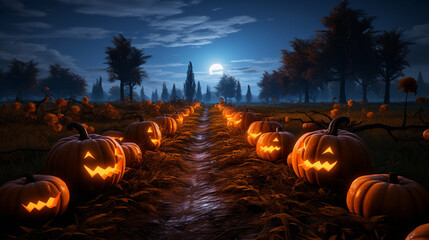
column 273, row 146
column 258, row 127
column 87, row 163
column 145, row 134
column 34, row 198
column 178, row 117
column 330, row 157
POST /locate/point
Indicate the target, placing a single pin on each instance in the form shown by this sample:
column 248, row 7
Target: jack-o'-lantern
column 227, row 112
column 132, row 153
column 167, row 124
column 330, row 157
column 191, row 109
column 419, row 233
column 258, row 127
column 273, row 146
column 145, row 134
column 114, row 134
column 426, row 134
column 87, row 163
column 388, row 194
column 178, row 117
column 34, row 198
column 186, row 112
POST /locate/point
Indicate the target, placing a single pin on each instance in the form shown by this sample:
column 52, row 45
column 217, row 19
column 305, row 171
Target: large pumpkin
column 330, row 157
column 145, row 134
column 258, row 127
column 114, row 134
column 420, row 233
column 87, row 163
column 167, row 124
column 273, row 146
column 33, row 198
column 388, row 194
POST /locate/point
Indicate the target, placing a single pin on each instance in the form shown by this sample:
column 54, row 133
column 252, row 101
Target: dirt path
column 196, row 211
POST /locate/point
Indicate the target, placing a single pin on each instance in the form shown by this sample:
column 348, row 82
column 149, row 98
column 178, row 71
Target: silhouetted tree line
column 22, row 80
column 347, row 52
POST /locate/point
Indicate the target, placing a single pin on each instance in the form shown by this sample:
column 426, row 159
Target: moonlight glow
column 216, row 69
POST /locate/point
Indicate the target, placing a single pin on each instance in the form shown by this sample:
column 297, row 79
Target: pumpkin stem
column 29, row 177
column 140, row 117
column 82, row 131
column 277, row 130
column 335, row 124
column 393, row 178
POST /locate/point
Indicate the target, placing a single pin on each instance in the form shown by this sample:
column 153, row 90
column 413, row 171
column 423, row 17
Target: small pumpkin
column 245, row 120
column 114, row 134
column 227, row 112
column 191, row 109
column 274, row 146
column 426, row 134
column 34, row 198
column 310, row 126
column 419, row 233
column 259, row 127
column 330, row 157
column 388, row 194
column 167, row 124
column 145, row 134
column 132, row 152
column 186, row 112
column 88, row 163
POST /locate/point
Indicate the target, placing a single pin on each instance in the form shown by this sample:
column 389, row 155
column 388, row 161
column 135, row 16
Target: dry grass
column 129, row 208
column 280, row 206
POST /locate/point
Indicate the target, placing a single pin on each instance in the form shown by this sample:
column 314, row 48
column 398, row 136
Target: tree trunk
column 122, row 91
column 342, row 90
column 131, row 92
column 364, row 93
column 307, row 94
column 386, row 92
column 405, row 110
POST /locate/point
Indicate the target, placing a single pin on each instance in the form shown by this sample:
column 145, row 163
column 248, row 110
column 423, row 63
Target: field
column 230, row 193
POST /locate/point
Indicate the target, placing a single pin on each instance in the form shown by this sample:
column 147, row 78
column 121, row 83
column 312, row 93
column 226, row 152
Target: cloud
column 193, row 30
column 420, row 50
column 130, row 8
column 242, row 70
column 73, row 32
column 19, row 8
column 216, row 9
column 164, row 65
column 40, row 53
column 30, row 26
column 262, row 61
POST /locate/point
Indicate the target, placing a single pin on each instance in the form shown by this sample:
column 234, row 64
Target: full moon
column 216, row 69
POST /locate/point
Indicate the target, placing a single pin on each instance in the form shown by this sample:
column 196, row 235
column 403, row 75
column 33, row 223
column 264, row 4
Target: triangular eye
column 328, row 150
column 117, row 152
column 88, row 154
column 275, row 140
column 150, row 130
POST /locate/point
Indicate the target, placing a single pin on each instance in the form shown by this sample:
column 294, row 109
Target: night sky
column 245, row 37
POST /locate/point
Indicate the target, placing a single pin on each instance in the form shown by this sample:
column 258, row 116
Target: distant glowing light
column 216, row 69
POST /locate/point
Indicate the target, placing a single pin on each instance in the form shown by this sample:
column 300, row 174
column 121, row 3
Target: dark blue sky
column 245, row 37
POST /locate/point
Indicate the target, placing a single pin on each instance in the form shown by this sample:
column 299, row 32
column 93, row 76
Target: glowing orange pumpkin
column 388, row 194
column 87, row 163
column 310, row 126
column 273, row 146
column 178, row 117
column 145, row 134
column 34, row 198
column 258, row 127
column 330, row 157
